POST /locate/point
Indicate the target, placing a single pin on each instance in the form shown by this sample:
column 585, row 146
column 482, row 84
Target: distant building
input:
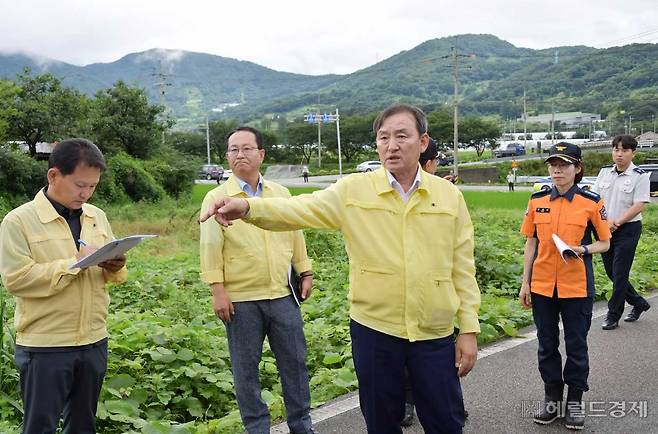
column 571, row 119
column 44, row 149
column 647, row 139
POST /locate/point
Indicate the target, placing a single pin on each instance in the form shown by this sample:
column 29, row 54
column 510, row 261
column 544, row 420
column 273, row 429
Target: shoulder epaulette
column 607, row 165
column 589, row 195
column 540, row 193
column 638, row 170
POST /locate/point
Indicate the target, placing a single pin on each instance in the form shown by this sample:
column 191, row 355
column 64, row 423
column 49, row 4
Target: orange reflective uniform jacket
column 573, row 216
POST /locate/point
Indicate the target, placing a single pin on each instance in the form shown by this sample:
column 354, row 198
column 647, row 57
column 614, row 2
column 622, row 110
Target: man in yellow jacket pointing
column 409, row 239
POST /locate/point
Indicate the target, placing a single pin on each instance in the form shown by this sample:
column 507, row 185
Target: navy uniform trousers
column 576, row 316
column 617, row 262
column 56, row 381
column 380, row 361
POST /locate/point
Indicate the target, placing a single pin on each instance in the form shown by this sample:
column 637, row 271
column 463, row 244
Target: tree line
column 141, row 142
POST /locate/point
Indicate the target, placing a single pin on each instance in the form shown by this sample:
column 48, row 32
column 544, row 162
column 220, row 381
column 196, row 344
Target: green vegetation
column 169, row 369
column 494, row 200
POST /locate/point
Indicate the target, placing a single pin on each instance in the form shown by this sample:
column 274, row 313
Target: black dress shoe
column 408, row 415
column 635, row 313
column 609, row 324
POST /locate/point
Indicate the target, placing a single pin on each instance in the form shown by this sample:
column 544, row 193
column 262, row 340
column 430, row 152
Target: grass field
column 475, row 199
column 497, row 199
column 199, row 191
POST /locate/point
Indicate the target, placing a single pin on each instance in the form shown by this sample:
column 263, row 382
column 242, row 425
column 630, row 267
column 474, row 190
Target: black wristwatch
column 586, row 250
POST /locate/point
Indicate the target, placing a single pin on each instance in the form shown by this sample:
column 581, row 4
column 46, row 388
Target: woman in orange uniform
column 555, row 287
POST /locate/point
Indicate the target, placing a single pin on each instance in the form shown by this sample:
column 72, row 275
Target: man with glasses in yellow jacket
column 247, row 270
column 409, row 239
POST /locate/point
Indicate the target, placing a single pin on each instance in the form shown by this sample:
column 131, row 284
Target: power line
column 631, row 37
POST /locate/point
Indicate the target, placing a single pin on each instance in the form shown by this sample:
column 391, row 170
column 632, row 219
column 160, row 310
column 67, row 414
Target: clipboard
column 294, row 283
column 110, row 251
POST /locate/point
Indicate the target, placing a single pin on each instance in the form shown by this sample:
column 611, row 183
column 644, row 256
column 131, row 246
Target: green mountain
column 193, row 83
column 492, row 74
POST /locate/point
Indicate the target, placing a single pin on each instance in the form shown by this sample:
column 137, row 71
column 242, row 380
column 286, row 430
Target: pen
column 82, row 243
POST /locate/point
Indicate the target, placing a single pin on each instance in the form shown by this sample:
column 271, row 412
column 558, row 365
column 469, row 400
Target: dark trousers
column 617, row 262
column 281, row 321
column 380, row 361
column 576, row 316
column 510, row 186
column 62, row 382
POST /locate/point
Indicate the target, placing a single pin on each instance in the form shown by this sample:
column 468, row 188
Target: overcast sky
column 311, row 37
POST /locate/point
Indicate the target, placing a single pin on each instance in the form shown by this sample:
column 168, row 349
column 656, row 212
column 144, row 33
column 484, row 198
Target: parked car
column 211, row 171
column 226, row 174
column 653, row 177
column 546, row 184
column 511, row 150
column 368, row 166
column 446, row 160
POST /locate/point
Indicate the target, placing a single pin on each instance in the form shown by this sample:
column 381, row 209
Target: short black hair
column 626, row 141
column 71, row 153
column 430, row 153
column 418, row 114
column 254, row 131
column 579, row 175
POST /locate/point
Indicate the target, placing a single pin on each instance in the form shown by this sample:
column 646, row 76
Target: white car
column 546, row 184
column 226, row 174
column 368, row 166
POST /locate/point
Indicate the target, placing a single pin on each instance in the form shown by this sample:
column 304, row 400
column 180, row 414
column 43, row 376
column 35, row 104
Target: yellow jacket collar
column 47, row 212
column 383, row 185
column 233, row 186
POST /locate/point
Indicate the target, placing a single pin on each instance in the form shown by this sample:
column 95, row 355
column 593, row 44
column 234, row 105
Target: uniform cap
column 565, row 151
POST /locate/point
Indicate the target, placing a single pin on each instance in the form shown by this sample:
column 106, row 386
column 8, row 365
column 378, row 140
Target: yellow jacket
column 251, row 263
column 411, row 265
column 55, row 306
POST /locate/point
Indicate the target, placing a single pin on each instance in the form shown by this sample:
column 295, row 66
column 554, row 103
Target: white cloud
column 307, row 37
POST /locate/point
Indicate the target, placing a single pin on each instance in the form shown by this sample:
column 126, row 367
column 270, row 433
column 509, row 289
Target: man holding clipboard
column 61, row 310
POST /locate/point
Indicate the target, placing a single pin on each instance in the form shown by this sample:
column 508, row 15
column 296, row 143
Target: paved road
column 624, row 369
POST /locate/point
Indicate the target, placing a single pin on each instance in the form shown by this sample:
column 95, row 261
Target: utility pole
column 340, row 159
column 653, row 119
column 630, row 120
column 552, row 123
column 455, row 72
column 455, row 135
column 208, row 138
column 319, row 143
column 525, row 121
column 162, row 85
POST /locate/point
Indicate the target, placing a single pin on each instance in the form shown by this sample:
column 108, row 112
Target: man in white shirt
column 624, row 188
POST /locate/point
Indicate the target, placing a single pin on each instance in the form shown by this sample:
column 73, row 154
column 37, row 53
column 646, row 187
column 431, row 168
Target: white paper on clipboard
column 110, row 251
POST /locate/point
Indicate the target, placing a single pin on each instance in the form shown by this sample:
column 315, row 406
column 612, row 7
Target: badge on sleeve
column 604, row 213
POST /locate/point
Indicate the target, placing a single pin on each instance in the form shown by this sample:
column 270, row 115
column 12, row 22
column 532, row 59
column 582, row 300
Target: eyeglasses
column 247, row 150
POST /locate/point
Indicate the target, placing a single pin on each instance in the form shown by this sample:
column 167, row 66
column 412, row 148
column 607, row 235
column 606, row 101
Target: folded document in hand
column 565, row 251
column 111, row 250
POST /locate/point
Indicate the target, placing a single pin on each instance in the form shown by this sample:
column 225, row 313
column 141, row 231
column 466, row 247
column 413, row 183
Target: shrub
column 176, row 175
column 20, row 175
column 130, row 175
